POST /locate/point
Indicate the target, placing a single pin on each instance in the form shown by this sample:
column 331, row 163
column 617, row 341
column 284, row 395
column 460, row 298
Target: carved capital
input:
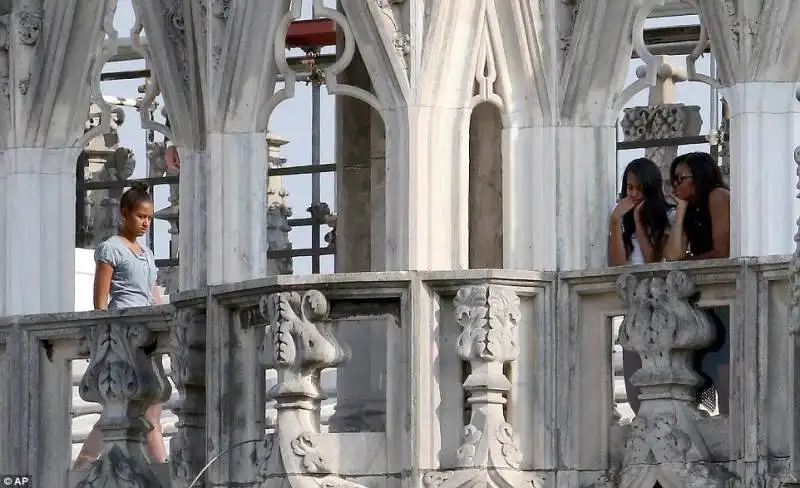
column 299, row 343
column 488, row 317
column 120, row 373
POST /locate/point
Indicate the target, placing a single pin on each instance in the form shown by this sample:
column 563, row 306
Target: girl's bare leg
column 155, row 438
column 91, row 450
column 93, row 446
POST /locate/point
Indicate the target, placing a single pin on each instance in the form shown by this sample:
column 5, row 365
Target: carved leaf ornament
column 119, row 369
column 488, row 317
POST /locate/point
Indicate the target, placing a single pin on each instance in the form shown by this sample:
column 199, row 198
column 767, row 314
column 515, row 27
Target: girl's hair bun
column 140, row 187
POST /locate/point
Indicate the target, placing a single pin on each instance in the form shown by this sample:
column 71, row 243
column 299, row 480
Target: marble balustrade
column 486, row 376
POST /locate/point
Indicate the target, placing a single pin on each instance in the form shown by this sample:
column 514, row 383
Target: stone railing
column 443, row 379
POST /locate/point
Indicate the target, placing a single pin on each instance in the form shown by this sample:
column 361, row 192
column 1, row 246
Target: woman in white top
column 639, row 231
column 641, row 221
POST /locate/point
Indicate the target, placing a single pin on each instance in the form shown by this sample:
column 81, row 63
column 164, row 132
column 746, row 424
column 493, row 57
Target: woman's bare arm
column 617, row 254
column 156, row 295
column 719, row 206
column 675, row 250
column 102, row 285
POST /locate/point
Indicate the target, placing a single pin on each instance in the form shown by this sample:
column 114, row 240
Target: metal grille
column 310, row 65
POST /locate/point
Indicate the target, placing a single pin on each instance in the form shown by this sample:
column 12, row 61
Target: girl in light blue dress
column 125, row 276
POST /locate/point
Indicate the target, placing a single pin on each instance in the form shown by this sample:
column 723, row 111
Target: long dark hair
column 654, row 205
column 706, row 175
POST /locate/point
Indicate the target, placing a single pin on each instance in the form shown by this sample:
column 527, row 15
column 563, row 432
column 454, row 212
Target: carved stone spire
column 126, row 381
column 488, row 316
column 665, row 328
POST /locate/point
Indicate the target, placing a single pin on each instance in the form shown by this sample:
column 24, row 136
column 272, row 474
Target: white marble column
column 37, row 222
column 216, row 69
column 587, row 164
column 236, row 212
column 561, row 225
column 192, row 249
column 427, row 169
column 765, row 129
column 530, row 203
column 45, row 61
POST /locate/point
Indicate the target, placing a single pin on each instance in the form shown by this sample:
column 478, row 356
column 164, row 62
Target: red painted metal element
column 311, row 34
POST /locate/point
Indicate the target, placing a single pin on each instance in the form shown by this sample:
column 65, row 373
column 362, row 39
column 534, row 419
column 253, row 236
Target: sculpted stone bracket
column 299, row 343
column 664, row 326
column 393, row 11
column 126, row 381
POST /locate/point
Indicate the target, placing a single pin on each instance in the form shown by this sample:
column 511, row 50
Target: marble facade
column 449, row 105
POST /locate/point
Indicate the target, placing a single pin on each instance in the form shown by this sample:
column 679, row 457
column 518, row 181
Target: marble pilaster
column 236, row 221
column 39, row 69
column 426, row 173
column 587, row 159
column 37, row 195
column 765, row 129
column 192, row 251
column 219, row 121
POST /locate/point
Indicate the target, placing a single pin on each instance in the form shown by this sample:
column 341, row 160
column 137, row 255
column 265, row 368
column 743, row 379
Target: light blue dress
column 134, row 274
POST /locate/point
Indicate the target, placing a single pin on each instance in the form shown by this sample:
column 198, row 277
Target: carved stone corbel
column 299, row 343
column 126, row 381
column 489, row 454
column 665, row 328
column 393, row 11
